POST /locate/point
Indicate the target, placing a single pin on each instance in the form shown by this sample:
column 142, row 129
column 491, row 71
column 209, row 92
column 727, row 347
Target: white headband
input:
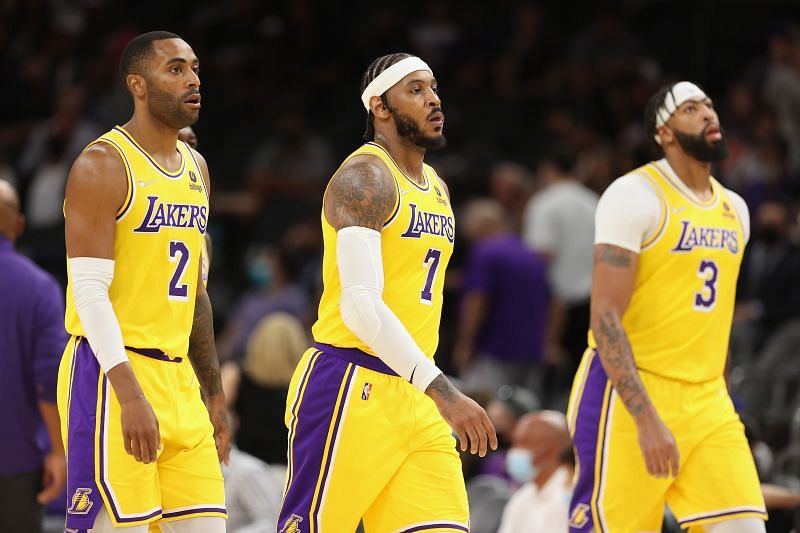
column 386, row 79
column 677, row 95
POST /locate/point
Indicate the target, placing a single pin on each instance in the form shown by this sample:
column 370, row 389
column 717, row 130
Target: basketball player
column 368, row 410
column 141, row 445
column 650, row 413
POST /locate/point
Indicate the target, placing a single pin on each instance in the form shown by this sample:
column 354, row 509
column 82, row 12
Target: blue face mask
column 519, row 465
column 260, row 273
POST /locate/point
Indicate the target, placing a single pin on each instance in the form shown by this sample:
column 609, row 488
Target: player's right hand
column 467, row 419
column 140, row 430
column 658, row 446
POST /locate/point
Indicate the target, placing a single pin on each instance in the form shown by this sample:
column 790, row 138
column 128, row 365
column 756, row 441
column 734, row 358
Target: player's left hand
column 54, row 477
column 218, row 413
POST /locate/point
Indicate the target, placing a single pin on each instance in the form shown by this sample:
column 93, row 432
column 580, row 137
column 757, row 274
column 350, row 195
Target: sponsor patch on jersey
column 193, row 179
column 439, row 196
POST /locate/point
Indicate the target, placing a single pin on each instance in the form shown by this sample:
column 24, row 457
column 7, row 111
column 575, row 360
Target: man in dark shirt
column 32, row 338
column 502, row 332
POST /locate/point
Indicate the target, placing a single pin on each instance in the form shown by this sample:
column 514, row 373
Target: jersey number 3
column 178, row 253
column 431, row 263
column 707, row 297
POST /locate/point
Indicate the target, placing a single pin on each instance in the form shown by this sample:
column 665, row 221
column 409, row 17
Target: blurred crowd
column 543, row 108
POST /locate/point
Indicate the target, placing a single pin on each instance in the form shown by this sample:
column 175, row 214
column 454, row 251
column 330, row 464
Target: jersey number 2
column 431, row 263
column 178, row 252
column 707, row 297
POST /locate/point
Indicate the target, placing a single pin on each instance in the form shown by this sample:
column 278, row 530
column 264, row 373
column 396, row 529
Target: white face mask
column 519, row 465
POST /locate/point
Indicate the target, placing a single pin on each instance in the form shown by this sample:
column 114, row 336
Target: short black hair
column 373, row 70
column 138, row 49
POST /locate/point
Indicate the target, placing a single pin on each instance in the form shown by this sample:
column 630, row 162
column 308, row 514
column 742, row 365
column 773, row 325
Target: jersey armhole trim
column 664, row 218
column 130, row 194
column 396, row 209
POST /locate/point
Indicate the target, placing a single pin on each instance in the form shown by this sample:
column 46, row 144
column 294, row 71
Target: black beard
column 170, row 111
column 698, row 147
column 408, row 128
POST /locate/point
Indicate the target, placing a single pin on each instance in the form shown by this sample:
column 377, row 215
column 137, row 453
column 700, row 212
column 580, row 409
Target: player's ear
column 136, row 84
column 379, row 109
column 666, row 135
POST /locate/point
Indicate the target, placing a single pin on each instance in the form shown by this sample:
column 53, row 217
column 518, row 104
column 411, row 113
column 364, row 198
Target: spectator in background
column 257, row 389
column 44, row 165
column 541, row 460
column 287, row 170
column 505, row 409
column 272, row 290
column 782, row 86
column 252, row 487
column 502, row 329
column 559, row 225
column 252, row 492
column 510, row 185
column 769, row 290
column 32, row 338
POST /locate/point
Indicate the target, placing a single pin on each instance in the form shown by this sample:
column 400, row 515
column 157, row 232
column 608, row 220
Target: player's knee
column 737, row 525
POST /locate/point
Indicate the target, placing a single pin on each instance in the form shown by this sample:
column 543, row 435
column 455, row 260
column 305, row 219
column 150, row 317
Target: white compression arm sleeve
column 358, row 255
column 90, row 278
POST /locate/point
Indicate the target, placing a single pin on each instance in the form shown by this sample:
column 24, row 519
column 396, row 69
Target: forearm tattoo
column 361, row 194
column 202, row 350
column 615, row 351
column 443, row 386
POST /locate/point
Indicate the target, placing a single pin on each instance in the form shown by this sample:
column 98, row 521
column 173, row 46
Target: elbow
column 358, row 310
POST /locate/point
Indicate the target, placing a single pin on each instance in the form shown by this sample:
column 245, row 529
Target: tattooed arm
column 361, row 193
column 361, row 197
column 203, row 355
column 614, row 275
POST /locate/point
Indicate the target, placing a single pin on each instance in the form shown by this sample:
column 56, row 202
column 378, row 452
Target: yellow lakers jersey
column 679, row 317
column 416, row 245
column 157, row 249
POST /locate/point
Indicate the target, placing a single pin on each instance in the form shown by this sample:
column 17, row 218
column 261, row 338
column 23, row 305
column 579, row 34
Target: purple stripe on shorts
column 84, row 498
column 587, row 422
column 293, row 425
column 312, row 416
column 334, row 434
column 356, row 356
column 184, row 512
column 428, row 527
